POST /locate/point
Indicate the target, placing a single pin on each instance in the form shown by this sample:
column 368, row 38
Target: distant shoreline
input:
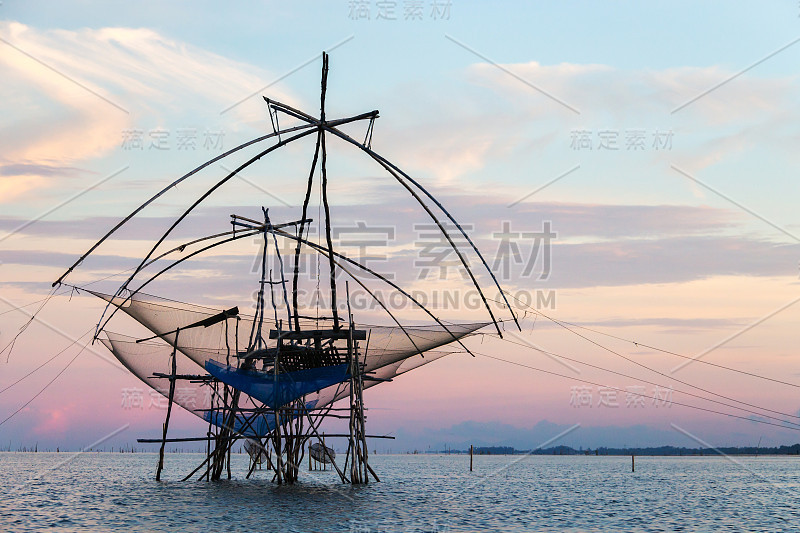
column 710, row 453
column 655, row 451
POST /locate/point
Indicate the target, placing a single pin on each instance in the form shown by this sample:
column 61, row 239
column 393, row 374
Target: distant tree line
column 657, row 450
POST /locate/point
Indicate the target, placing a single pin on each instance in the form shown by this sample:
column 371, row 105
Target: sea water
column 117, row 492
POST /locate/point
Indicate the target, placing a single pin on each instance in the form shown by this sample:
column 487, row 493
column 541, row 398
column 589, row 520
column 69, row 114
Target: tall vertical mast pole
column 324, row 187
column 296, row 273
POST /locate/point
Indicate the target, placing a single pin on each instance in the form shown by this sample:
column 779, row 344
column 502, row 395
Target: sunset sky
column 657, row 145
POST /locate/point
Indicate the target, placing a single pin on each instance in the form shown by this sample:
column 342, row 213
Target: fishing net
column 224, row 341
column 203, row 352
column 151, row 363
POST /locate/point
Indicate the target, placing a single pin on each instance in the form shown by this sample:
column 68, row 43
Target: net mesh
column 148, row 359
column 221, row 342
column 386, row 352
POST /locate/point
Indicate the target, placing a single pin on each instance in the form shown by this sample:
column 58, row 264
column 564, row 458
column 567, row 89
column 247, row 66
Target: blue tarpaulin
column 250, row 425
column 275, row 392
column 245, row 424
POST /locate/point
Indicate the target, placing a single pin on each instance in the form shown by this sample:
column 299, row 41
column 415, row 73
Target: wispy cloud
column 54, row 117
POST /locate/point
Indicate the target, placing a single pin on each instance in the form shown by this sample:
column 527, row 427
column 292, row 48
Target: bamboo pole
column 277, row 434
column 174, row 365
column 225, row 396
column 327, row 453
column 325, row 465
column 353, row 446
column 324, row 187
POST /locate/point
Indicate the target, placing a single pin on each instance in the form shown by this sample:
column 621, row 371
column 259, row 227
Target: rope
column 636, row 394
column 51, row 359
column 46, row 386
column 10, row 345
column 662, row 374
column 639, row 344
column 659, row 385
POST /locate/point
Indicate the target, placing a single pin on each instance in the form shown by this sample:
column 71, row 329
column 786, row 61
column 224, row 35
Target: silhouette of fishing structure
column 267, row 379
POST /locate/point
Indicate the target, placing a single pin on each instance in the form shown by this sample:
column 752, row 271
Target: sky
column 624, row 168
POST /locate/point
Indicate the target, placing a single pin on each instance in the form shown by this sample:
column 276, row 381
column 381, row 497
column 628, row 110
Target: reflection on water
column 104, row 492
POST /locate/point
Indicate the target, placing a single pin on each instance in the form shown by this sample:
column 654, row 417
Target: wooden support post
column 169, row 407
column 633, row 466
column 277, row 444
column 352, row 446
column 224, row 441
column 229, row 460
column 470, row 457
column 363, row 427
column 279, row 447
column 371, row 471
column 324, row 465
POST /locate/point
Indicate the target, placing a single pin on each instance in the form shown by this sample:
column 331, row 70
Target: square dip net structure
column 270, row 379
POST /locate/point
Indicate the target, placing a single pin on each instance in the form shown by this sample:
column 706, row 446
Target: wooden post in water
column 169, row 407
column 470, row 457
column 633, row 467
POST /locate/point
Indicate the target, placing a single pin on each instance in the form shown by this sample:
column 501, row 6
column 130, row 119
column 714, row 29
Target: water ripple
column 115, row 492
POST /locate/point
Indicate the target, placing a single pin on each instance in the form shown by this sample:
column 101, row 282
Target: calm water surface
column 116, row 492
